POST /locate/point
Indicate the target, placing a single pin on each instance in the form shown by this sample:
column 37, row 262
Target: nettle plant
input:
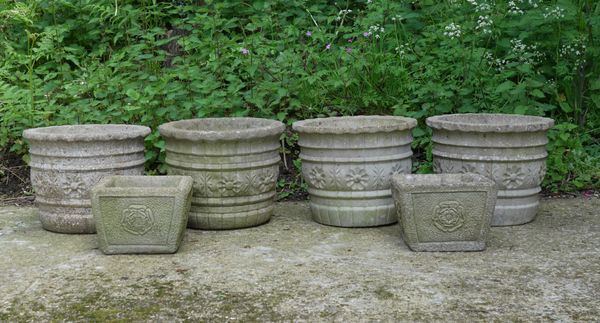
column 152, row 62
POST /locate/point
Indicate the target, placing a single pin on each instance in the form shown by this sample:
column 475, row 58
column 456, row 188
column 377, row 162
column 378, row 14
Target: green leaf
column 135, row 95
column 537, row 93
column 505, row 86
column 565, row 107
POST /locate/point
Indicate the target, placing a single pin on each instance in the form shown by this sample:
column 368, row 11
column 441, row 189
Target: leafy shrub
column 149, row 62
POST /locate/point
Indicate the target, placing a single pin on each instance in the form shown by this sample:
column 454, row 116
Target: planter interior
column 141, row 214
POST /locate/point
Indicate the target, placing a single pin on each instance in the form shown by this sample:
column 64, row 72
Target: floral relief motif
column 437, row 168
column 73, row 186
column 229, row 186
column 541, row 173
column 381, row 178
column 266, row 181
column 469, row 168
column 357, row 178
column 448, row 216
column 336, row 178
column 203, row 184
column 46, row 183
column 513, row 177
column 137, row 219
column 317, row 177
column 399, row 169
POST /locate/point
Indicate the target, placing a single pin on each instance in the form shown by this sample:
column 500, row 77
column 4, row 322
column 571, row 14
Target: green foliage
column 149, row 62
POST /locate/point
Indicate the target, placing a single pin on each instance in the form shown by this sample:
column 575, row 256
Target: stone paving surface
column 293, row 269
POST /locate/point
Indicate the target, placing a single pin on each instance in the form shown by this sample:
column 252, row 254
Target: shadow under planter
column 141, row 214
column 510, row 149
column 67, row 161
column 234, row 163
column 347, row 163
column 444, row 212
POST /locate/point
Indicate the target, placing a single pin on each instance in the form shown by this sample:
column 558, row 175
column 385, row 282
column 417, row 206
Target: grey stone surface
column 293, row 269
column 510, row 149
column 234, row 163
column 444, row 212
column 67, row 161
column 141, row 214
column 347, row 163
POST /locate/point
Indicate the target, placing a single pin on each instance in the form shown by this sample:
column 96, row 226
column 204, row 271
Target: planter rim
column 404, row 182
column 355, row 124
column 490, row 122
column 221, row 128
column 86, row 132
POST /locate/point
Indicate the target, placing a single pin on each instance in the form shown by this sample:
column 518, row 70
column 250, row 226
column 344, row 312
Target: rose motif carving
column 137, row 219
column 317, row 177
column 73, row 186
column 357, row 178
column 513, row 177
column 448, row 216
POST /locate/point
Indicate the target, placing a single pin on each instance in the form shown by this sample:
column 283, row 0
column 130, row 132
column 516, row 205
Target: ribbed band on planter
column 67, row 161
column 348, row 163
column 234, row 163
column 510, row 149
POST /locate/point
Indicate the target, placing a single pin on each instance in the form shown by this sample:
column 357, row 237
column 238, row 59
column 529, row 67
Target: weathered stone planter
column 347, row 163
column 510, row 149
column 141, row 214
column 444, row 212
column 234, row 163
column 66, row 161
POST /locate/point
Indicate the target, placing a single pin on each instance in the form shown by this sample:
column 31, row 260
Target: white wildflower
column 452, row 30
column 484, row 23
column 556, row 12
column 514, row 9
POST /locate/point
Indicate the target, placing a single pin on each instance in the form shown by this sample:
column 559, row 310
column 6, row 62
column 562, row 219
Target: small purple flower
column 244, row 51
column 366, row 34
column 328, row 46
column 350, row 40
column 308, row 33
column 348, row 50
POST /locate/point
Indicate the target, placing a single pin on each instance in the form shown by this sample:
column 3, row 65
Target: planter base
column 352, row 217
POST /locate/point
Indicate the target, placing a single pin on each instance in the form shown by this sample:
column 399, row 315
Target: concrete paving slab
column 293, row 269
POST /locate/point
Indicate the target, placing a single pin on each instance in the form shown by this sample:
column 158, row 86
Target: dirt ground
column 293, row 269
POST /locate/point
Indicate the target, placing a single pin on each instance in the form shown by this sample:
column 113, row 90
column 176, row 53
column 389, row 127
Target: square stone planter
column 444, row 212
column 141, row 214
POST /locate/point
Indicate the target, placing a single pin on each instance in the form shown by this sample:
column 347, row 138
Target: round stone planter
column 510, row 149
column 234, row 163
column 67, row 161
column 348, row 163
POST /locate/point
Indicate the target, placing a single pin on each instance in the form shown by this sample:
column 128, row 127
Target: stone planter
column 234, row 163
column 510, row 149
column 348, row 162
column 444, row 212
column 141, row 214
column 67, row 161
